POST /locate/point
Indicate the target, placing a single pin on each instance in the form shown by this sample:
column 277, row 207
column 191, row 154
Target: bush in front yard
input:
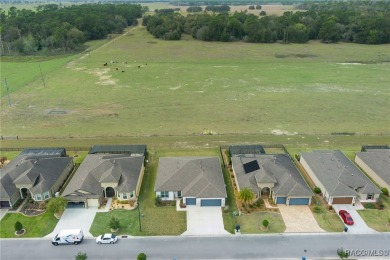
column 114, row 223
column 141, row 256
column 385, row 191
column 317, row 209
column 265, row 223
column 18, row 226
column 369, row 206
column 158, row 201
column 317, row 190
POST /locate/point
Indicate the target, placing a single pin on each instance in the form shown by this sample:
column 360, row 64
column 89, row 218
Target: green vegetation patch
column 378, row 219
column 328, row 221
column 38, row 226
column 250, row 224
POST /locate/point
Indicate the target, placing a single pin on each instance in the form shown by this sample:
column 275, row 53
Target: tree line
column 56, row 29
column 358, row 22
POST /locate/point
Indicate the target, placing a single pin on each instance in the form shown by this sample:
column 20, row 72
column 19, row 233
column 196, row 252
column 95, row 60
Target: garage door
column 190, row 201
column 211, row 202
column 281, row 200
column 72, row 205
column 343, row 200
column 4, row 204
column 299, row 201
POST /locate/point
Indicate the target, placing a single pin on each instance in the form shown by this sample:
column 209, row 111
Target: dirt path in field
column 87, row 52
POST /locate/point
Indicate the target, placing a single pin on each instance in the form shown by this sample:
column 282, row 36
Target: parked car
column 106, row 239
column 346, row 217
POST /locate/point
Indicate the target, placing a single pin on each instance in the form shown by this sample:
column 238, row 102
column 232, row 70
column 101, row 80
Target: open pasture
column 154, row 87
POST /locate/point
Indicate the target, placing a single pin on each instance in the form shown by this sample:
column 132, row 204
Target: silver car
column 106, row 239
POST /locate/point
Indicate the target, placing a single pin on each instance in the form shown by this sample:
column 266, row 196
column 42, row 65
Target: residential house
column 105, row 175
column 198, row 180
column 376, row 163
column 37, row 173
column 340, row 181
column 274, row 176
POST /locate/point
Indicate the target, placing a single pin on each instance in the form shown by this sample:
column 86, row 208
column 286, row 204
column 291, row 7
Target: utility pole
column 7, row 88
column 43, row 80
column 139, row 216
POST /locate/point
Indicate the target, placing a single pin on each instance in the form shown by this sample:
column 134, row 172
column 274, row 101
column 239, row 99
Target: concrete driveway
column 299, row 219
column 204, row 221
column 76, row 218
column 359, row 226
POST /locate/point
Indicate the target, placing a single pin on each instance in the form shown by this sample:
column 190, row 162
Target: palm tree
column 246, row 195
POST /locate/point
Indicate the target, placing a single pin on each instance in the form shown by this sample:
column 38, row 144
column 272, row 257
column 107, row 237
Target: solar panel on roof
column 251, row 166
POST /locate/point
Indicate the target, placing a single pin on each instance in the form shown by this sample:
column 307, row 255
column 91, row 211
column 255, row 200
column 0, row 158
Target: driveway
column 359, row 226
column 204, row 221
column 3, row 212
column 299, row 219
column 76, row 218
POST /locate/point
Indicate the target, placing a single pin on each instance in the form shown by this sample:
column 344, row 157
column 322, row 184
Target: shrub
column 263, row 13
column 265, row 223
column 158, row 201
column 369, row 205
column 258, row 7
column 317, row 190
column 251, row 7
column 18, row 226
column 114, row 223
column 317, row 209
column 259, row 203
column 141, row 256
column 330, row 207
column 81, row 256
column 385, row 191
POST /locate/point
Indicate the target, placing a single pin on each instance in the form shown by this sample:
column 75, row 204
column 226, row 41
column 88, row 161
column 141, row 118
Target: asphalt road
column 228, row 247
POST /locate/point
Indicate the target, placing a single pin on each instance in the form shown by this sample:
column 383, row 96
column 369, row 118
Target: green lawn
column 250, row 224
column 38, row 226
column 378, row 219
column 328, row 221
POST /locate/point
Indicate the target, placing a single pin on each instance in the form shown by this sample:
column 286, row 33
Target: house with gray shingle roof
column 38, row 175
column 376, row 163
column 340, row 181
column 105, row 175
column 273, row 176
column 198, row 180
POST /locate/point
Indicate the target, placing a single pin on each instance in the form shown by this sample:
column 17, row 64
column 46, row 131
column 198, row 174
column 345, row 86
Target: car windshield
column 112, row 236
column 350, row 218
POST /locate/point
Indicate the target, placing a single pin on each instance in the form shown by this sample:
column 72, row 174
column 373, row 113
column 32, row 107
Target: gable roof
column 40, row 172
column 100, row 168
column 132, row 149
column 199, row 177
column 278, row 169
column 338, row 174
column 378, row 161
column 246, row 149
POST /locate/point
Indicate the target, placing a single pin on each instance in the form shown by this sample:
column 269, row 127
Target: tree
column 18, row 227
column 265, row 223
column 81, row 256
column 57, row 205
column 246, row 195
column 342, row 253
column 141, row 256
column 114, row 223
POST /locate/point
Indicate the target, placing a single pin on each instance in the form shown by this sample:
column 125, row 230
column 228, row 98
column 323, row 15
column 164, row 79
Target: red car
column 346, row 217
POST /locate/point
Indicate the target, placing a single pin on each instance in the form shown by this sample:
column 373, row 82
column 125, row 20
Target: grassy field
column 191, row 87
column 38, row 226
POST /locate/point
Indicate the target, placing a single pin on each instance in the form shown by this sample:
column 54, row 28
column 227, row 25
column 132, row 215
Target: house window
column 46, row 195
column 38, row 197
column 179, row 194
column 164, row 194
column 124, row 196
column 370, row 196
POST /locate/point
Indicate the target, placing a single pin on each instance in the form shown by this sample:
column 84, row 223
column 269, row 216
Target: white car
column 106, row 239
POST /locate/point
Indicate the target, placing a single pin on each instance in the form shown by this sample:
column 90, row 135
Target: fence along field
column 154, row 87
